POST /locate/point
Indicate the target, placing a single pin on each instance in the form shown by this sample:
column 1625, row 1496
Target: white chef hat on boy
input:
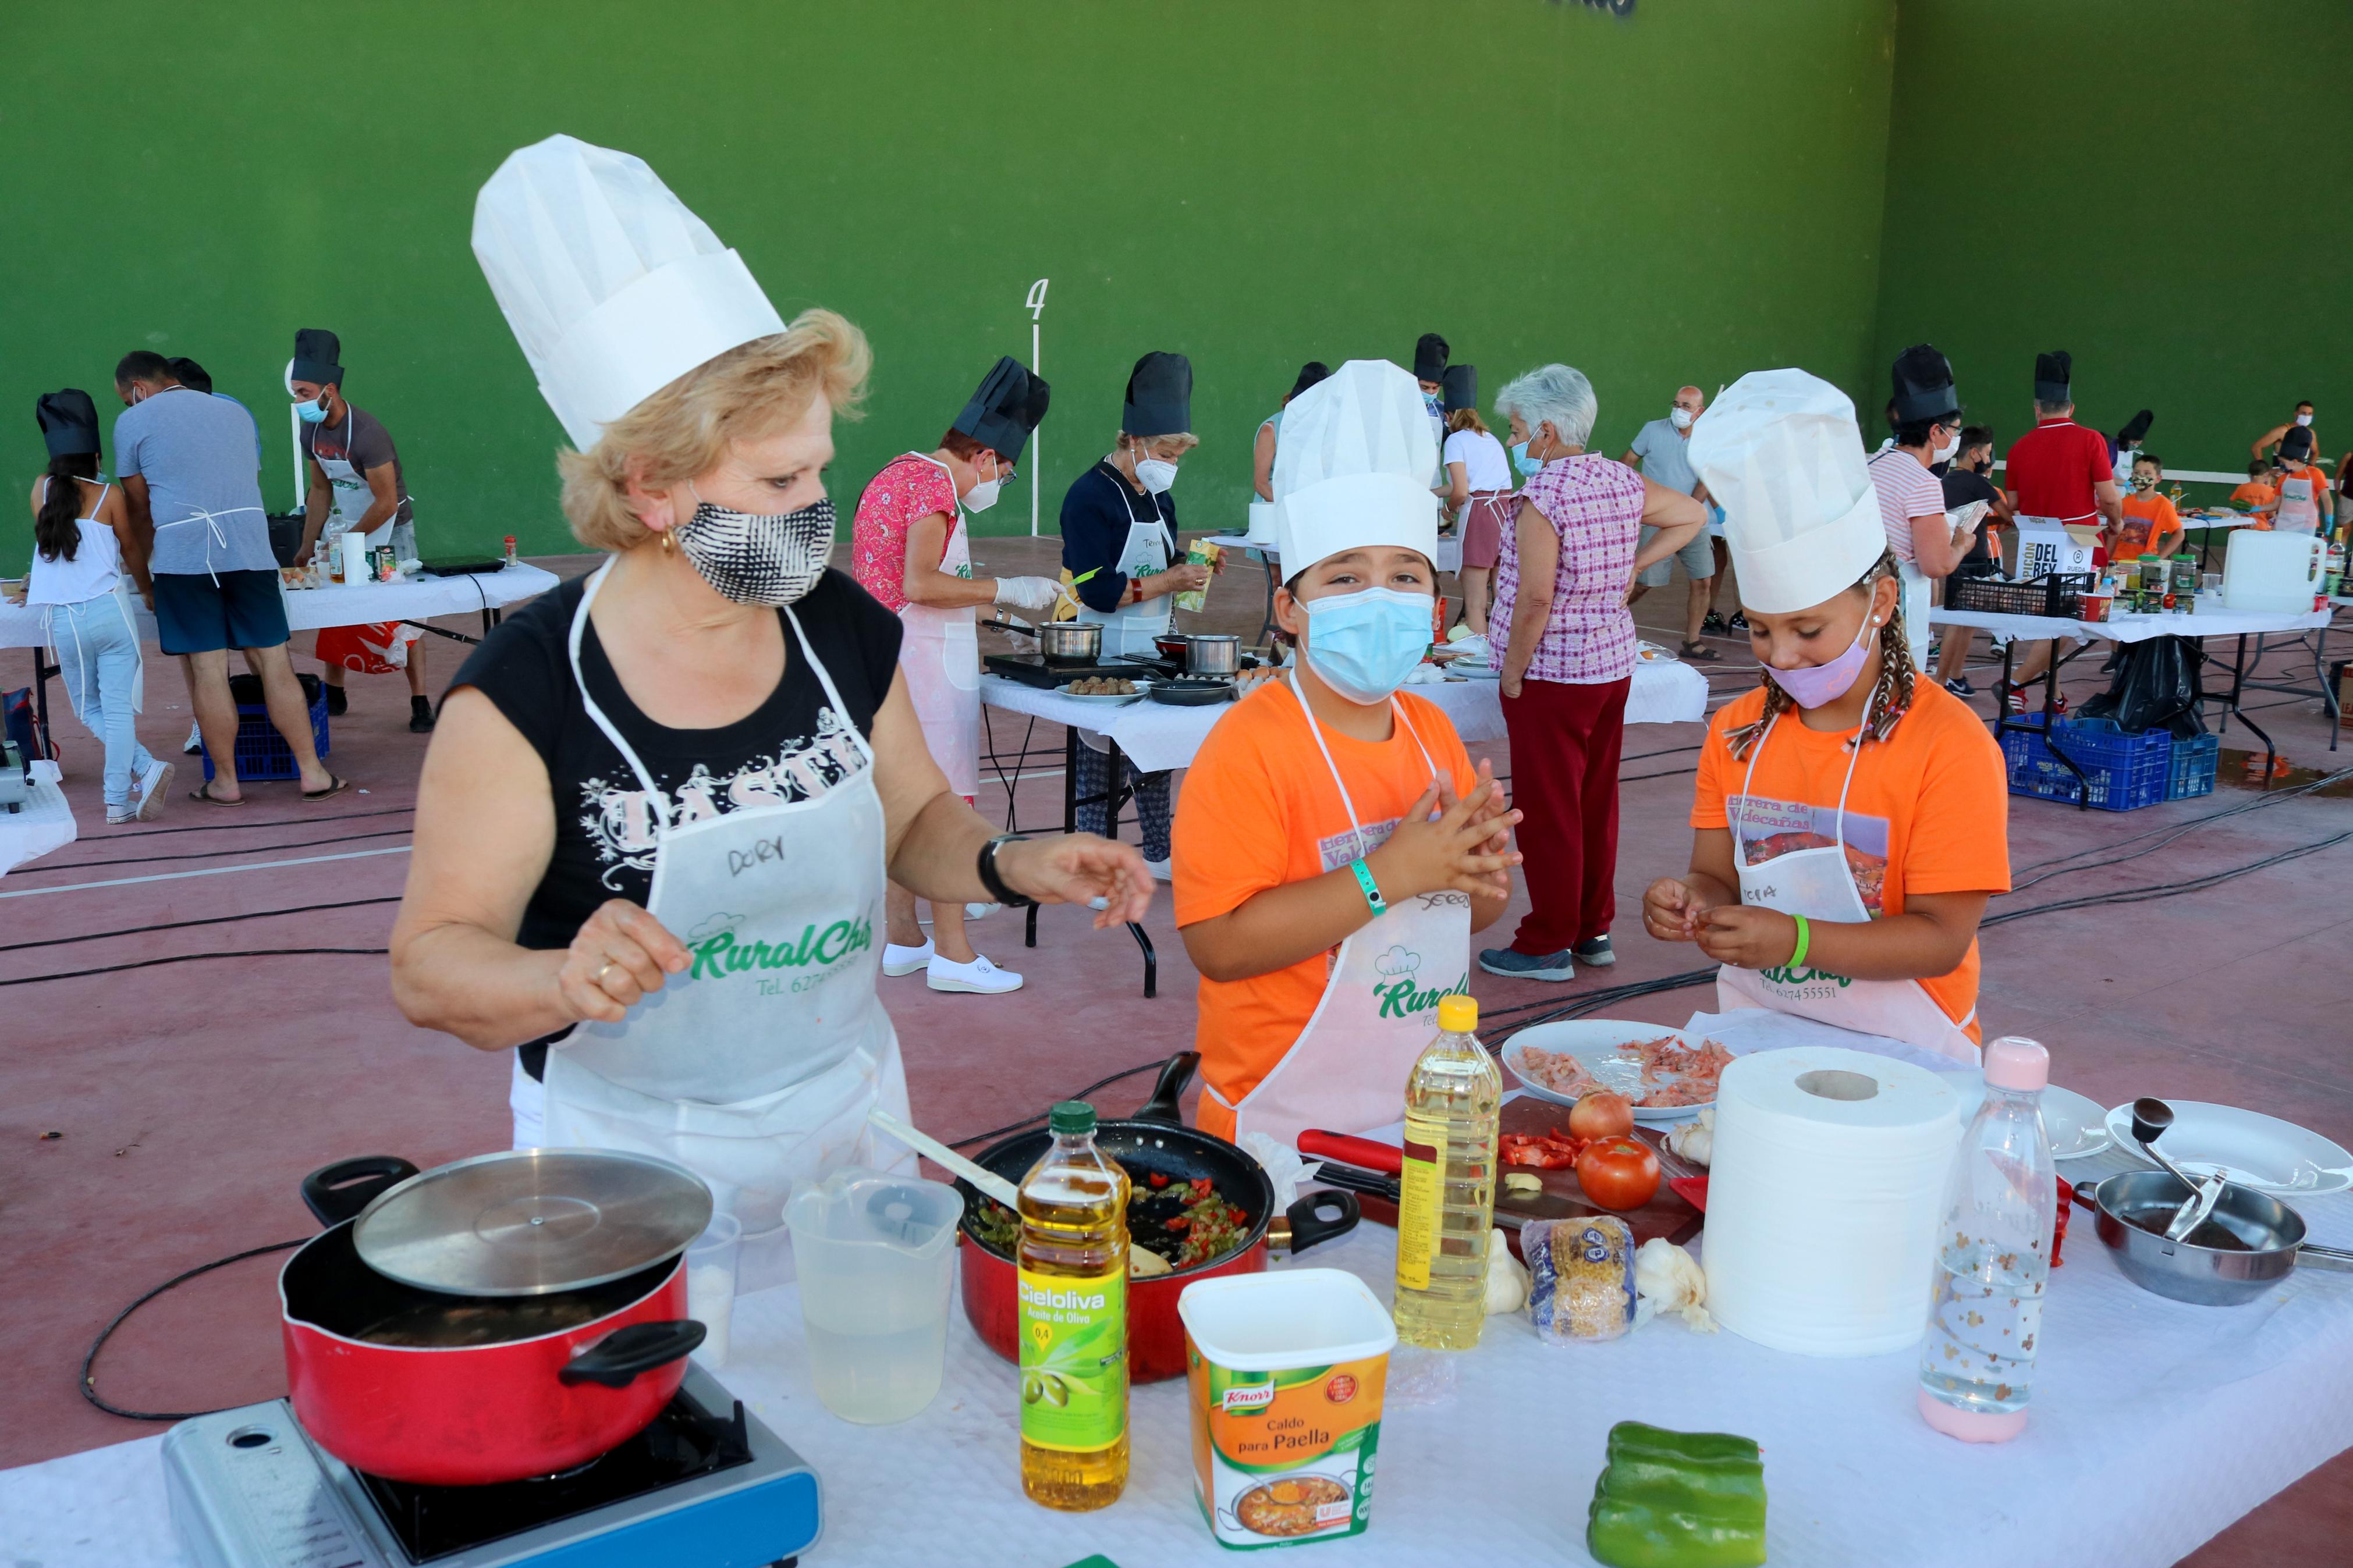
column 613, row 287
column 1352, row 466
column 1780, row 452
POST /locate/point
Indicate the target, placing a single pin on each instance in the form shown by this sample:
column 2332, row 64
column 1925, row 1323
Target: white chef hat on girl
column 613, row 287
column 1352, row 466
column 1780, row 452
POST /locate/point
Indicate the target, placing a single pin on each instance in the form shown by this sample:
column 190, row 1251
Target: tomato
column 1618, row 1173
column 1601, row 1114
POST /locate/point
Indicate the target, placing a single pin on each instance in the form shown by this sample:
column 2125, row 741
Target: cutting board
column 1667, row 1215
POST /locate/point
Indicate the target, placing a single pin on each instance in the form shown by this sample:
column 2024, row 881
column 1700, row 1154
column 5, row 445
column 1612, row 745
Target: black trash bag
column 2156, row 687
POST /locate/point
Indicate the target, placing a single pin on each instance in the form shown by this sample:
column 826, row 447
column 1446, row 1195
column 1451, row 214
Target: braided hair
column 1891, row 694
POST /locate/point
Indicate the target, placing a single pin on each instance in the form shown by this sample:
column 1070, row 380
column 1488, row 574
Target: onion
column 1601, row 1114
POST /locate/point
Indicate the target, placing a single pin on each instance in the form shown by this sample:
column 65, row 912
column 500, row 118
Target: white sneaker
column 1160, row 871
column 980, row 911
column 897, row 959
column 195, row 746
column 154, row 784
column 979, row 975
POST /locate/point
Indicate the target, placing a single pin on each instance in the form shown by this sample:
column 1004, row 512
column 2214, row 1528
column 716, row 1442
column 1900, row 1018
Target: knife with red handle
column 1511, row 1209
column 1361, row 1153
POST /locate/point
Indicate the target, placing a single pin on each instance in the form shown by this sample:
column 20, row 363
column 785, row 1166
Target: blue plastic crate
column 2125, row 772
column 2193, row 767
column 261, row 751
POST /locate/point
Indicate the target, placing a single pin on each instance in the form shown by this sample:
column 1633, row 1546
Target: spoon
column 2150, row 1118
column 989, row 1183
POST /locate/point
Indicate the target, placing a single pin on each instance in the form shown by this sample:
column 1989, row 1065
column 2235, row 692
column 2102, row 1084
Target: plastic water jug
column 874, row 1254
column 2273, row 573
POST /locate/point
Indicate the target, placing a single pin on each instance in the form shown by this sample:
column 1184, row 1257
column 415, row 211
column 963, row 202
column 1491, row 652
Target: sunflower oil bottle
column 1446, row 1190
column 1073, row 1320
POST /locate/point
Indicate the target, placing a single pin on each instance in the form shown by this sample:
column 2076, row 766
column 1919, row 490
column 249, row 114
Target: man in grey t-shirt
column 1661, row 452
column 185, row 460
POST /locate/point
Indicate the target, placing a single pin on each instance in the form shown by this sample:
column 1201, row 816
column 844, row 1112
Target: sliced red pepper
column 1158, row 1179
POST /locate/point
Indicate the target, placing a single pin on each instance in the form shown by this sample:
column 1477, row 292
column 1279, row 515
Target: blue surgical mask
column 1527, row 465
column 1363, row 645
column 312, row 413
column 1435, row 403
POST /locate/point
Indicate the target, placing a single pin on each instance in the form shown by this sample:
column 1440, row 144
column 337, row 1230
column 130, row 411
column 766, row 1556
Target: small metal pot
column 1071, row 642
column 1217, row 654
column 1172, row 645
column 2255, row 1239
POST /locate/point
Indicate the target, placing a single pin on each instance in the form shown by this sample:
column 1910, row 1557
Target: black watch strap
column 993, row 881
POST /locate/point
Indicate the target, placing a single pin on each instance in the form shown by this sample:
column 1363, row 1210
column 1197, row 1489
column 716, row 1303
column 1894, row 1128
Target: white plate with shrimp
column 1561, row 1061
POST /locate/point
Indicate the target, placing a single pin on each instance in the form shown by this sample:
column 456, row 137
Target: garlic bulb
column 1507, row 1277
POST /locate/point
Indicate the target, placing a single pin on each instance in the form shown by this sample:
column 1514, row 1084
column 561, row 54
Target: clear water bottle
column 1993, row 1256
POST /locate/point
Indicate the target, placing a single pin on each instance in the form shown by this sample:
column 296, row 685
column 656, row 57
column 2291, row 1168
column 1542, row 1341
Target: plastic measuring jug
column 874, row 1254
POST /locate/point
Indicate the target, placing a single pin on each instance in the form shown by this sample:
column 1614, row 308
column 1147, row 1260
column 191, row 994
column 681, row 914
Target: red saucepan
column 1155, row 1142
column 449, row 1390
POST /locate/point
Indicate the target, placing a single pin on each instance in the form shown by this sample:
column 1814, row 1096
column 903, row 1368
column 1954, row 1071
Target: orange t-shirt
column 1928, row 811
column 1259, row 810
column 2319, row 489
column 2253, row 495
column 2151, row 527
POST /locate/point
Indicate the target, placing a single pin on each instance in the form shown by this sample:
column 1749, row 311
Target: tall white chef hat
column 1353, row 465
column 613, row 287
column 1780, row 453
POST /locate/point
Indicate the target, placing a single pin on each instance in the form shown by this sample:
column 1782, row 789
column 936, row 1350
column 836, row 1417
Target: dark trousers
column 1566, row 741
column 1154, row 811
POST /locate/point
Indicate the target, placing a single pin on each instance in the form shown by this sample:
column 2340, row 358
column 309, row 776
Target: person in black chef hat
column 2057, row 472
column 1430, row 358
column 1119, row 545
column 1924, row 413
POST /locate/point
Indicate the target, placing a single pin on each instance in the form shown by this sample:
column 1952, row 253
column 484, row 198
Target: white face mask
column 1680, row 417
column 1156, row 474
column 2304, row 418
column 1943, row 453
column 983, row 496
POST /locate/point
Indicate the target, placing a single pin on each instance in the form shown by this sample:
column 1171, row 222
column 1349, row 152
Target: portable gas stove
column 705, row 1484
column 1030, row 669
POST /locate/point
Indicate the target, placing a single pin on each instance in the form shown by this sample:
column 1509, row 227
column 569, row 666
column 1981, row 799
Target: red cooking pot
column 449, row 1390
column 1155, row 1142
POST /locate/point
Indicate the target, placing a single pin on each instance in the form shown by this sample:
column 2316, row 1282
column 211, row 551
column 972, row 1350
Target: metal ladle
column 2150, row 1118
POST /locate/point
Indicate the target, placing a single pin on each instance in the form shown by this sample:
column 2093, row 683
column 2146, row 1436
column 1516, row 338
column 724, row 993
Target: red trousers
column 1566, row 741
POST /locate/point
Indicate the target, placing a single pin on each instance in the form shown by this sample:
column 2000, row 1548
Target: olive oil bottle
column 1074, row 1319
column 1446, row 1200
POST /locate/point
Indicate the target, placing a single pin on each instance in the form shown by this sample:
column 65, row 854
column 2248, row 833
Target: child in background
column 2305, row 505
column 2260, row 492
column 2151, row 526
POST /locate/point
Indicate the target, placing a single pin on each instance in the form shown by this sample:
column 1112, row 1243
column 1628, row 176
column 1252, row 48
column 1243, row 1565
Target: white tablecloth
column 1156, row 736
column 1449, row 557
column 2135, row 1397
column 42, row 824
column 310, row 609
column 2204, row 622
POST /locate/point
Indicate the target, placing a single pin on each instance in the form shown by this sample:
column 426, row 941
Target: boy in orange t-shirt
column 2151, row 526
column 2258, row 492
column 2305, row 504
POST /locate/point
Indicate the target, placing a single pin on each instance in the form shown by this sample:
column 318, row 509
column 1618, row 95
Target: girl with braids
column 1850, row 820
column 83, row 547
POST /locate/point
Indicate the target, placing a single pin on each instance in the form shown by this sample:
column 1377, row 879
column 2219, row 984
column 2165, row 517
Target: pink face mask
column 1819, row 685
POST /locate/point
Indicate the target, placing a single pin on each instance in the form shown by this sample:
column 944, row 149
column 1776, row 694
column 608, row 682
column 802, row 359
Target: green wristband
column 1372, row 889
column 1805, row 941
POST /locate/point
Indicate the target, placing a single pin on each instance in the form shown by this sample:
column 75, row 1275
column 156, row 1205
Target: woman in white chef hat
column 656, row 819
column 1334, row 848
column 1849, row 818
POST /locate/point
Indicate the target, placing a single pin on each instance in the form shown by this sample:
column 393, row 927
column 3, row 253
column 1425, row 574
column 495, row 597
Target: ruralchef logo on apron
column 1395, row 991
column 721, row 951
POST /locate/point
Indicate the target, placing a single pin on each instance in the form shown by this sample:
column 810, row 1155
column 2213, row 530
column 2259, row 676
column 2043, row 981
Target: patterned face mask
column 758, row 557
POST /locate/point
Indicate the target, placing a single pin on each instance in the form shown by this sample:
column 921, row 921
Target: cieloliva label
column 1421, row 1186
column 1285, row 1455
column 1073, row 1360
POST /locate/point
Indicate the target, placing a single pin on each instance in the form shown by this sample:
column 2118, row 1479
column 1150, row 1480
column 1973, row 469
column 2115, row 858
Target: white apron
column 1346, row 1072
column 1145, row 553
column 2299, row 506
column 1918, row 603
column 940, row 652
column 353, row 496
column 756, row 1067
column 1817, row 884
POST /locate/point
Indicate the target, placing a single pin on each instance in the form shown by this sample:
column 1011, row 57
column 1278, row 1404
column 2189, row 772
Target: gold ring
column 599, row 981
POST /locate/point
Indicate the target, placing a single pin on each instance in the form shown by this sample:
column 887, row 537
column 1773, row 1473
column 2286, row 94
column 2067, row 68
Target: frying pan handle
column 336, row 1193
column 1162, row 1106
column 1307, row 1224
column 1385, row 1158
column 2333, row 1258
column 616, row 1360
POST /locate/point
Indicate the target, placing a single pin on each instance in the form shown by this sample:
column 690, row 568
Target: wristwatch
column 994, row 882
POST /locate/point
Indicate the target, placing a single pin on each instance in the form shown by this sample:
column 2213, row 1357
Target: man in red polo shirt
column 2058, row 471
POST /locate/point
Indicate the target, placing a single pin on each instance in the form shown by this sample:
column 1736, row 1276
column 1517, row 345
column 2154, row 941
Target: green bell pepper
column 1678, row 1500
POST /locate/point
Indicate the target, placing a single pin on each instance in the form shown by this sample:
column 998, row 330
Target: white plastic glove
column 1033, row 593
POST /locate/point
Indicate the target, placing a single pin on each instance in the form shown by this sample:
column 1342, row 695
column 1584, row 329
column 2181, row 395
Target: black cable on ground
column 273, row 822
column 90, row 1361
column 181, row 925
column 215, row 854
column 193, row 957
column 993, row 1133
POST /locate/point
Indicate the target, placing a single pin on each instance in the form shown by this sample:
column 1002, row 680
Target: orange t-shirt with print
column 2253, row 495
column 2151, row 527
column 1260, row 809
column 1928, row 811
column 2318, row 482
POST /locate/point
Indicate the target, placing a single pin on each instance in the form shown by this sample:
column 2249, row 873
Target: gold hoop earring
column 670, row 541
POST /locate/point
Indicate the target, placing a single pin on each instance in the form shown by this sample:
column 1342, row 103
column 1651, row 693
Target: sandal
column 1699, row 653
column 335, row 786
column 205, row 794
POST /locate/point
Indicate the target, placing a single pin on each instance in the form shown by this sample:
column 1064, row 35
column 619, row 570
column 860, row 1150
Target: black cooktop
column 684, row 1441
column 1030, row 669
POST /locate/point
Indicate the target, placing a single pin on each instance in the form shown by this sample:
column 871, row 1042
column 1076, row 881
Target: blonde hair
column 685, row 428
column 1465, row 419
column 1891, row 694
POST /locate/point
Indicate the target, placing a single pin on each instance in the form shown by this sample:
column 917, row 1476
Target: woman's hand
column 1746, row 936
column 1671, row 911
column 1426, row 855
column 620, row 954
column 1073, row 867
column 1181, row 578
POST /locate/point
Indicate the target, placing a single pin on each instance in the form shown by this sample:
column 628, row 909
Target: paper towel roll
column 1823, row 1199
column 355, row 546
column 1261, row 522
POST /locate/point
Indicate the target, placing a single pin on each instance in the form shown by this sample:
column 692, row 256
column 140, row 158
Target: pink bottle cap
column 1972, row 1425
column 2015, row 1062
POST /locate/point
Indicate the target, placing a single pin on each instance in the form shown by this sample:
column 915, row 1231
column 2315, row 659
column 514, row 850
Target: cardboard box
column 2039, row 546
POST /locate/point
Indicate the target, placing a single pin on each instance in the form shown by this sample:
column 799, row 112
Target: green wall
column 1681, row 195
column 2159, row 187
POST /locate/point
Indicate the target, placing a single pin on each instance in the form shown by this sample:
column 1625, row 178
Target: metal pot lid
column 530, row 1221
